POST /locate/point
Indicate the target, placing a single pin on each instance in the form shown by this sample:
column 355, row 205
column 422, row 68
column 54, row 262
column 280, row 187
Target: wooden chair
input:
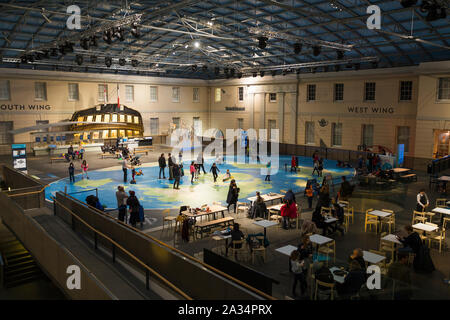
column 241, row 207
column 169, row 219
column 220, row 244
column 330, row 286
column 325, row 211
column 441, row 203
column 438, row 237
column 389, row 221
column 444, row 223
column 370, row 221
column 274, row 216
column 297, row 219
column 238, row 247
column 429, row 216
column 387, row 247
column 419, row 217
column 261, row 250
column 328, row 249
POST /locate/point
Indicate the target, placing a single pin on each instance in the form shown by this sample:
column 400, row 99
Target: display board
column 19, row 154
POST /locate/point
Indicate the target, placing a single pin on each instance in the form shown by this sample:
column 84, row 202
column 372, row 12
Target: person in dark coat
column 346, row 189
column 413, row 244
column 353, row 281
column 233, row 194
column 134, row 206
column 290, row 196
column 176, row 175
column 71, row 172
column 358, row 256
column 171, row 164
column 162, row 165
column 214, row 171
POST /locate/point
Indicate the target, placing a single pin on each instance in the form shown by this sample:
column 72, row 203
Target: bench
column 57, row 159
column 141, row 151
column 208, row 225
column 409, row 177
column 108, row 155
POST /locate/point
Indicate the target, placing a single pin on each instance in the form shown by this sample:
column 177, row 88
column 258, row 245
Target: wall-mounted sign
column 23, row 107
column 380, row 110
column 322, row 122
column 234, row 109
column 19, row 154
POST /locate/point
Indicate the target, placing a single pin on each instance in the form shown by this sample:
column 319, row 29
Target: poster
column 19, row 154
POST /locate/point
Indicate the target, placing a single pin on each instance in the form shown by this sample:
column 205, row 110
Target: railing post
column 147, row 279
column 113, row 252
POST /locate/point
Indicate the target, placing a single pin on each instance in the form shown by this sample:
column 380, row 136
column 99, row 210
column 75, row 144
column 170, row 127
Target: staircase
column 20, row 267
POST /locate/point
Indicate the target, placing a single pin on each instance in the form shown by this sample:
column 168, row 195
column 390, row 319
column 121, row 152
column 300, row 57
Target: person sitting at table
column 400, row 273
column 259, row 209
column 288, row 211
column 358, row 256
column 296, row 267
column 413, row 244
column 422, row 201
column 323, row 274
column 308, row 228
column 319, row 220
column 290, row 196
column 338, row 213
column 353, row 281
column 236, row 235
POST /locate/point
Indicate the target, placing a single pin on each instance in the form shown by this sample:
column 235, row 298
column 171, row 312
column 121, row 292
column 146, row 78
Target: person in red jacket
column 293, row 164
column 288, row 211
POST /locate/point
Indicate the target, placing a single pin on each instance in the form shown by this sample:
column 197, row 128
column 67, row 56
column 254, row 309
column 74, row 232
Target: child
column 192, row 171
column 269, row 164
column 71, row 172
column 227, row 176
column 139, row 173
column 84, row 169
column 310, row 195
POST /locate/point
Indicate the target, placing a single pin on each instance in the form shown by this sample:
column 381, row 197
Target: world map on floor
column 154, row 193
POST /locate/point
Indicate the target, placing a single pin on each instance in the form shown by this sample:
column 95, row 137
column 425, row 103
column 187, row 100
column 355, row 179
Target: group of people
column 72, row 154
column 129, row 200
column 84, row 171
column 317, row 164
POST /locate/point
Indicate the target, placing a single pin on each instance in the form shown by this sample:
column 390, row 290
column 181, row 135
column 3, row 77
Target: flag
column 118, row 98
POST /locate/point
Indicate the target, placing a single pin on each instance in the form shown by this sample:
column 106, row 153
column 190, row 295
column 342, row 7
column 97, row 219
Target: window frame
column 103, row 91
column 217, row 90
column 363, row 126
column 308, row 92
column 8, row 89
column 78, row 91
column 156, row 93
column 193, row 94
column 270, row 97
column 239, row 94
column 407, row 146
column 333, row 134
column 176, row 99
column 126, row 93
column 313, row 133
column 438, row 81
column 374, row 91
column 400, row 91
column 45, row 91
column 335, row 92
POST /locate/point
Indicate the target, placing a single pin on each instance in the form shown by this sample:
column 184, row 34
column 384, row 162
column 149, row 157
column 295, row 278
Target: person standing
column 121, row 197
column 72, row 172
column 180, row 157
column 214, row 171
column 269, row 164
column 233, row 195
column 71, row 152
column 125, row 166
column 162, row 165
column 293, row 164
column 297, row 270
column 310, row 195
column 192, row 171
column 134, row 206
column 422, row 201
column 170, row 162
column 84, row 169
column 176, row 176
column 316, row 168
column 346, row 189
column 320, row 166
column 200, row 162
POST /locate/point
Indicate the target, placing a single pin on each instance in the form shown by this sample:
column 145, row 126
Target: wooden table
column 267, row 197
column 227, row 221
column 224, row 237
column 424, row 227
column 400, row 170
column 276, row 207
column 319, row 240
column 212, row 210
column 265, row 224
column 373, row 258
column 286, row 250
column 380, row 214
column 391, row 238
column 441, row 211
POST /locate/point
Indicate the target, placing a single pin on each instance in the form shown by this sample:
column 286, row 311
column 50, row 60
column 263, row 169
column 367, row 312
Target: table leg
column 226, row 247
column 265, row 232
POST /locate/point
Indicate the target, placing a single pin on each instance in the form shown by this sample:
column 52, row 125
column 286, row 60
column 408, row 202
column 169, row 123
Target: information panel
column 19, row 154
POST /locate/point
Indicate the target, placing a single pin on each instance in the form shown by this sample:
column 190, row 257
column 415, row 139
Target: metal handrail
column 237, row 281
column 24, row 194
column 114, row 243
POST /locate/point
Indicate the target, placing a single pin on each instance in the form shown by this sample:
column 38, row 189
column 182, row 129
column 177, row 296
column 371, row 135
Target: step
column 11, row 284
column 16, row 255
column 24, row 275
column 21, row 268
column 18, row 260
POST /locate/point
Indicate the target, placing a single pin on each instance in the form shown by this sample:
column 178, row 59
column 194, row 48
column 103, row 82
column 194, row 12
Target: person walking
column 121, row 198
column 162, row 165
column 125, row 166
column 84, row 169
column 201, row 162
column 233, row 195
column 170, row 162
column 192, row 171
column 316, row 168
column 269, row 164
column 70, row 152
column 310, row 195
column 299, row 274
column 71, row 172
column 293, row 164
column 134, row 206
column 214, row 171
column 422, row 201
column 176, row 176
column 320, row 167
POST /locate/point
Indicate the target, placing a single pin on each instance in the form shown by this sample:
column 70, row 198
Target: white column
column 281, row 114
column 262, row 115
column 293, row 114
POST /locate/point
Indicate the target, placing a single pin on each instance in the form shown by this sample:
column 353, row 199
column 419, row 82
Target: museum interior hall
column 252, row 150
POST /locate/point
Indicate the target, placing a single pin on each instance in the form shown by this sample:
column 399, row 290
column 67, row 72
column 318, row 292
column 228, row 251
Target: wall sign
column 23, row 107
column 380, row 110
column 19, row 153
column 322, row 122
column 234, row 109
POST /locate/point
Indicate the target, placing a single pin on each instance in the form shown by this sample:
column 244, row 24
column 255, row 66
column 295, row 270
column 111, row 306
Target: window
column 405, row 90
column 403, row 137
column 309, row 132
column 5, row 136
column 197, row 126
column 369, row 91
column 106, row 117
column 218, row 95
column 240, row 123
column 367, row 135
column 73, row 92
column 336, row 134
column 5, row 93
column 272, row 97
column 103, row 93
column 121, row 118
column 154, row 126
column 105, row 134
column 311, row 92
column 129, row 93
column 196, row 94
column 241, row 93
column 89, row 118
column 40, row 122
column 129, row 119
column 338, row 92
column 40, row 91
column 272, row 124
column 153, row 94
column 98, row 118
column 176, row 122
column 444, row 89
column 114, row 117
column 136, row 119
column 176, row 94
